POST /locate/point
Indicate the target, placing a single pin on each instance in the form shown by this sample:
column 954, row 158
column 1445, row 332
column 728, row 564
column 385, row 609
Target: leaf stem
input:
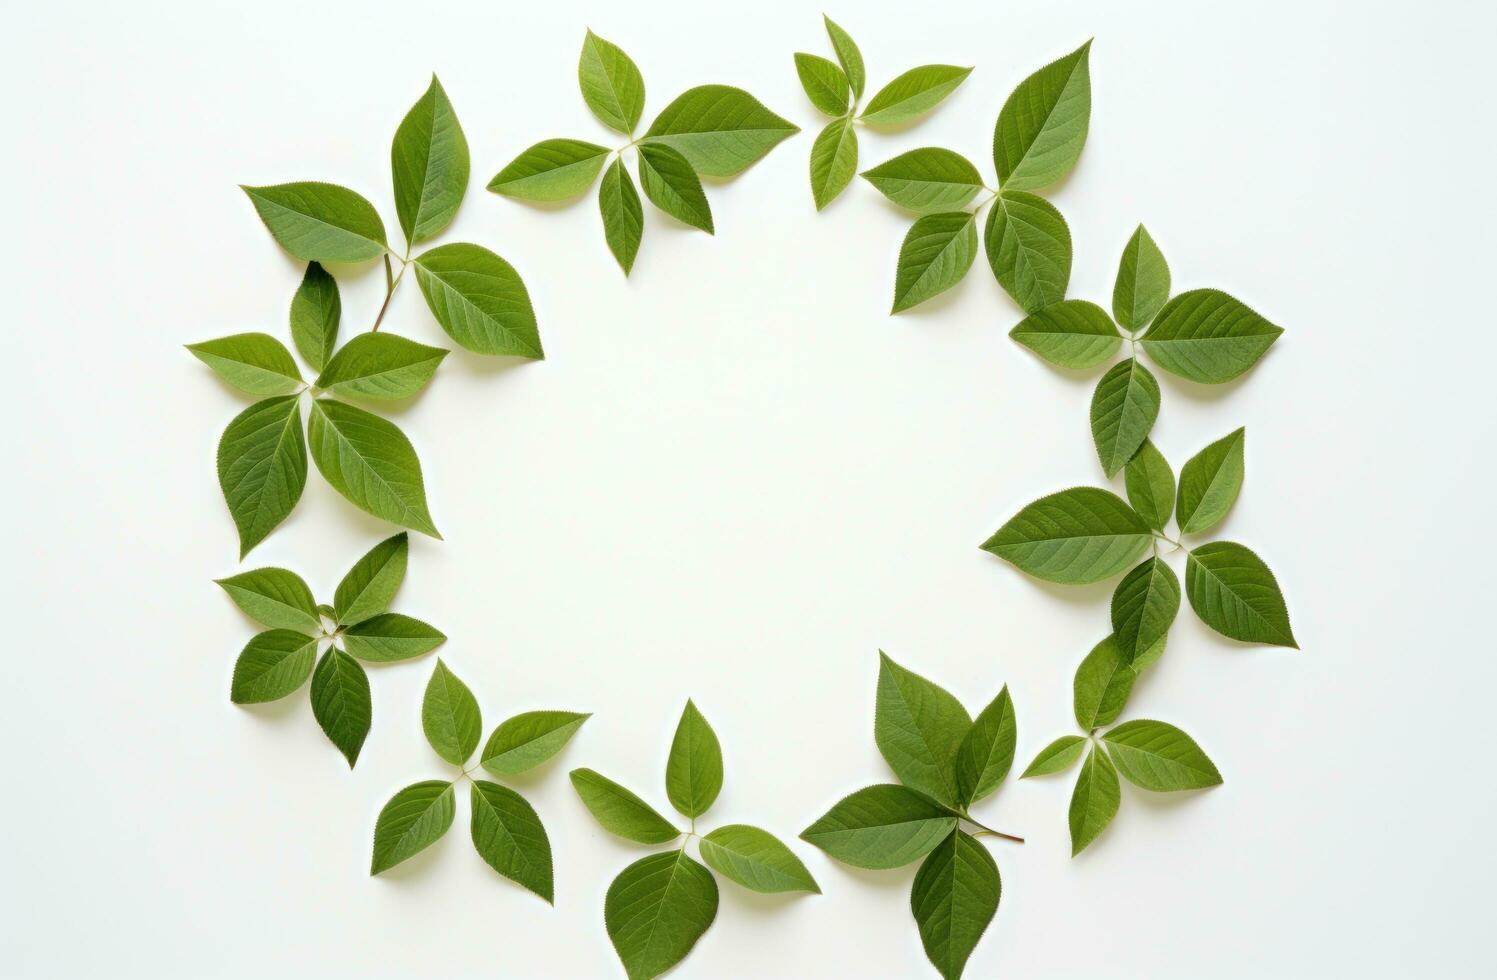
column 390, row 284
column 985, row 831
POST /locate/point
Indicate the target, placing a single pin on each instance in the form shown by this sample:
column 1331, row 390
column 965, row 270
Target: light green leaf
column 523, row 742
column 673, row 187
column 620, row 811
column 913, row 94
column 881, row 826
column 262, row 467
column 756, row 859
column 1234, row 593
column 954, row 897
column 694, row 769
column 1029, row 249
column 1073, row 537
column 936, row 254
column 848, row 56
column 1207, row 336
column 1094, row 801
column 389, row 637
column 623, row 216
column 320, row 222
column 611, row 84
column 341, row 702
column 271, row 666
column 656, row 910
column 1071, row 334
column 719, row 129
column 1145, row 660
column 927, row 180
column 1151, row 485
column 1056, row 757
column 1102, row 685
column 479, row 299
column 429, row 161
column 918, row 727
column 380, row 365
column 370, row 585
column 1143, row 282
column 1160, row 757
column 413, row 820
column 369, row 461
column 1209, row 483
column 826, row 84
column 1042, row 126
column 252, row 362
column 274, row 597
column 1124, row 407
column 315, row 311
column 834, row 161
column 1143, row 608
column 987, row 750
column 450, row 716
column 508, row 834
column 551, row 170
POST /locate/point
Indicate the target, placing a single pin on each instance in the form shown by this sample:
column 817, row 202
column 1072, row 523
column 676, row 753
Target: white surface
column 735, row 478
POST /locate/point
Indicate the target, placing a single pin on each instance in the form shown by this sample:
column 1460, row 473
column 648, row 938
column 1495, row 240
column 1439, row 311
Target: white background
column 736, row 478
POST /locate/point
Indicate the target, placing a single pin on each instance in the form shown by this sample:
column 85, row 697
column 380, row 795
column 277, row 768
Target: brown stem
column 390, row 282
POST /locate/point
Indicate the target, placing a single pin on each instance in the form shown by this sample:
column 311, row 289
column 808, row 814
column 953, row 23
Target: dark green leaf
column 673, row 187
column 274, row 597
column 391, row 636
column 320, row 222
column 508, row 834
column 1207, row 336
column 620, row 811
column 834, row 160
column 271, row 666
column 525, row 741
column 928, row 180
column 429, row 161
column 848, row 56
column 450, row 716
column 551, row 170
column 1234, row 593
column 414, row 819
column 1073, row 537
column 882, row 826
column 1029, row 249
column 1124, row 408
column 694, row 770
column 341, row 702
column 479, row 299
column 252, row 362
column 369, row 461
column 1056, row 757
column 656, row 910
column 1151, row 485
column 936, row 254
column 756, row 859
column 262, row 467
column 1143, row 608
column 380, row 365
column 1072, row 334
column 1094, row 801
column 918, row 726
column 987, row 751
column 611, row 84
column 826, row 84
column 370, row 585
column 1042, row 125
column 1209, row 483
column 719, row 129
column 1160, row 757
column 954, row 897
column 913, row 94
column 1143, row 282
column 1102, row 685
column 623, row 217
column 315, row 311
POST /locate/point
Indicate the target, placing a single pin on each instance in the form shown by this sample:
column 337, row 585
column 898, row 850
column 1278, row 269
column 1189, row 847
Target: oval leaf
column 927, row 180
column 429, row 161
column 413, row 820
column 1160, row 757
column 825, row 83
column 1124, row 408
column 657, row 909
column 1101, row 687
column 1042, row 125
column 623, row 216
column 525, row 741
column 936, row 254
column 1056, row 757
column 508, row 834
column 370, row 585
column 1151, row 485
column 1143, row 282
column 315, row 311
column 882, row 826
column 611, row 84
column 673, row 187
column 1209, row 483
column 271, row 666
column 694, row 770
column 848, row 56
column 479, row 299
column 913, row 94
column 389, row 637
column 1207, row 336
column 719, row 129
column 1073, row 537
column 1143, row 608
column 954, row 897
column 1071, row 334
column 1029, row 249
column 380, row 365
column 320, row 222
column 834, row 161
column 341, row 702
column 450, row 716
column 274, row 597
column 620, row 811
column 262, row 467
column 1234, row 593
column 252, row 362
column 1094, row 801
column 370, row 462
column 987, row 751
column 918, row 726
column 551, row 170
column 756, row 859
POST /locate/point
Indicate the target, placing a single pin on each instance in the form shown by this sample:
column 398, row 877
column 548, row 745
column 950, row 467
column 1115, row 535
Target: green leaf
column 315, row 311
column 623, row 216
column 834, row 161
column 918, row 727
column 1124, row 408
column 429, row 161
column 611, row 84
column 508, row 834
column 523, row 742
column 927, row 180
column 252, row 362
column 1094, row 801
column 1029, row 249
column 1151, row 485
column 341, row 702
column 274, row 597
column 551, row 170
column 719, row 129
column 1234, row 593
column 1071, row 334
column 370, row 585
column 450, row 716
column 936, row 254
column 1146, row 659
column 881, row 826
column 391, row 636
column 412, row 821
column 673, row 187
column 1160, row 757
column 479, row 299
column 954, row 897
column 1073, row 537
column 826, row 84
column 1056, row 757
column 320, row 222
column 756, row 859
column 694, row 770
column 656, row 910
column 987, row 750
column 620, row 811
column 380, row 365
column 1102, row 685
column 1207, row 336
column 1143, row 282
column 1209, row 483
column 271, row 666
column 1042, row 125
column 848, row 56
column 1143, row 608
column 913, row 94
column 262, row 467
column 369, row 461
